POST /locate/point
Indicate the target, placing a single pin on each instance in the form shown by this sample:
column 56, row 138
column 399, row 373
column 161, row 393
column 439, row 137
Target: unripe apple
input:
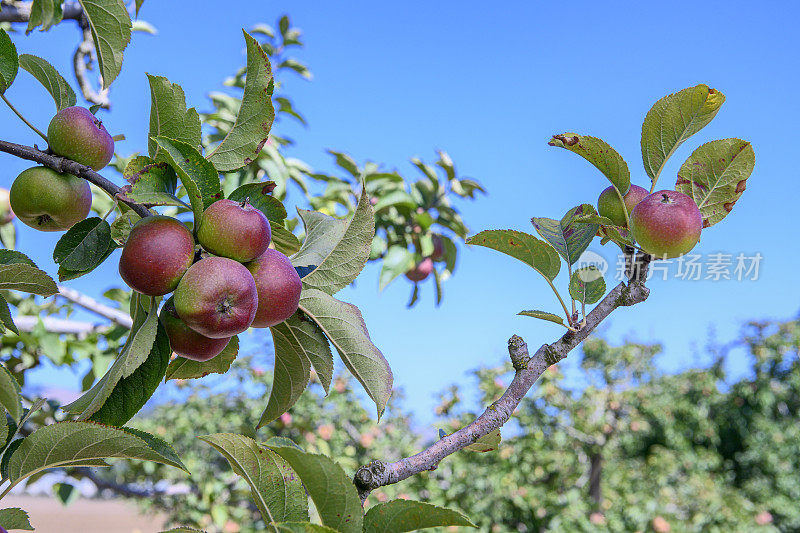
column 75, row 133
column 421, row 270
column 185, row 341
column 278, row 286
column 609, row 206
column 217, row 297
column 666, row 224
column 438, row 248
column 6, row 213
column 156, row 255
column 236, row 230
column 48, row 201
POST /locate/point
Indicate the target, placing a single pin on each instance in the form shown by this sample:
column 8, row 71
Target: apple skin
column 235, row 230
column 76, row 134
column 49, row 201
column 278, row 286
column 438, row 248
column 666, row 224
column 609, row 206
column 185, row 341
column 6, row 213
column 158, row 252
column 217, row 297
column 421, row 270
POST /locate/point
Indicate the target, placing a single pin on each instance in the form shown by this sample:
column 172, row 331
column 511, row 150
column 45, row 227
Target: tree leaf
column 672, row 120
column 284, row 240
column 487, row 443
column 65, row 274
column 6, row 320
column 600, row 154
column 250, row 132
column 277, row 492
column 65, row 493
column 587, row 285
column 169, row 117
column 344, row 326
column 152, row 183
column 122, row 226
column 26, row 278
column 84, row 245
column 397, row 261
column 569, row 239
column 397, row 198
column 715, row 176
column 301, row 527
column 260, row 196
column 111, row 31
column 535, row 253
column 544, row 315
column 15, row 518
column 398, row 516
column 9, row 62
column 71, row 443
column 10, row 397
column 333, row 493
column 338, row 248
column 10, row 257
column 44, row 13
column 182, row 368
column 49, row 77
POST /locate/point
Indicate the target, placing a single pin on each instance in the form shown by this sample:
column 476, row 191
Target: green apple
column 49, row 201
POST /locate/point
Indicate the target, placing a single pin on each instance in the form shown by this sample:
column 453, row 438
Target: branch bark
column 90, row 304
column 21, row 11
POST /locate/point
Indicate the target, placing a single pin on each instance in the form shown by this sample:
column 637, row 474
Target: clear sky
column 490, row 83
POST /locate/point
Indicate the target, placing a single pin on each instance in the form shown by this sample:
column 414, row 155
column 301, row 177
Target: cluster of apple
column 424, row 268
column 665, row 224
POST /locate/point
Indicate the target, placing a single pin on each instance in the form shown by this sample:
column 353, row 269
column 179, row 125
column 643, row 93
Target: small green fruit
column 75, row 133
column 48, row 201
column 236, row 230
column 185, row 341
column 666, row 224
column 609, row 206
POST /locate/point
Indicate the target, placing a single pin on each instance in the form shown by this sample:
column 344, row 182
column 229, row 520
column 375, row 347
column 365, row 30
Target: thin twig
column 23, row 119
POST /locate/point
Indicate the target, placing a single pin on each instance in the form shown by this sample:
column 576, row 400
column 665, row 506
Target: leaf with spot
column 259, row 195
column 110, row 24
column 672, row 120
column 599, row 153
column 44, row 13
column 84, row 245
column 543, row 315
column 399, row 516
column 251, row 130
column 15, row 518
column 9, row 61
column 169, row 116
column 26, row 278
column 535, row 253
column 152, row 183
column 568, row 238
column 587, row 285
column 715, row 176
column 182, row 368
column 49, row 77
column 122, row 226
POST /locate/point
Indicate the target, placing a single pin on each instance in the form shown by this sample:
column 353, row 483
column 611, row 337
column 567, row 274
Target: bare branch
column 21, row 11
column 56, row 325
column 83, row 61
column 90, row 304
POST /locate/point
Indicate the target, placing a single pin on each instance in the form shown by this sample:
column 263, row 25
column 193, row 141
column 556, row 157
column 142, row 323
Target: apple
column 6, row 213
column 49, row 201
column 666, row 224
column 438, row 248
column 421, row 270
column 158, row 252
column 235, row 230
column 278, row 286
column 217, row 297
column 185, row 341
column 609, row 206
column 75, row 133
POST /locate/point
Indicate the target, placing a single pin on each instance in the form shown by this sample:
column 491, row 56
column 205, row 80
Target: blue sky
column 490, row 83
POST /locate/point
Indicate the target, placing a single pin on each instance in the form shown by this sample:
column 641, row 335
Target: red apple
column 185, row 341
column 666, row 224
column 49, row 201
column 236, row 230
column 438, row 248
column 609, row 206
column 421, row 270
column 278, row 286
column 156, row 255
column 217, row 297
column 75, row 133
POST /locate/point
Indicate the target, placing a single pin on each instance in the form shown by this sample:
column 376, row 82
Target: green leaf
column 44, row 13
column 8, row 236
column 617, row 234
column 587, row 285
column 65, row 274
column 152, row 183
column 138, row 6
column 344, row 326
column 65, row 493
column 84, row 245
column 544, row 315
column 278, row 493
column 715, row 176
column 10, row 257
column 260, row 196
column 79, row 443
column 111, row 31
column 159, row 446
column 487, row 443
column 301, row 527
column 122, row 226
column 250, row 132
column 398, row 516
column 10, row 397
column 169, row 117
column 6, row 320
column 569, row 239
column 297, row 343
column 333, row 493
column 197, row 175
column 26, row 278
column 395, row 199
column 397, row 261
column 15, row 518
column 672, row 120
column 599, row 153
column 48, row 76
column 535, row 253
column 182, row 368
column 338, row 248
column 9, row 62
column 284, row 240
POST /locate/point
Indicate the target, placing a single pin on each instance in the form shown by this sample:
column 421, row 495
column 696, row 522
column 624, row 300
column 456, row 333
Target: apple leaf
column 397, row 261
column 48, row 76
column 10, row 397
column 543, row 315
column 277, row 492
column 672, row 120
column 568, row 238
column 260, row 196
column 715, row 176
column 284, row 240
column 26, row 278
column 15, row 518
column 182, row 368
column 535, row 253
column 587, row 285
column 84, row 245
column 344, row 326
column 301, row 527
column 9, row 62
column 333, row 493
column 65, row 493
column 617, row 234
column 44, row 13
column 65, row 274
column 399, row 516
column 250, row 132
column 338, row 248
column 111, row 31
column 152, row 183
column 122, row 226
column 10, row 257
column 488, row 443
column 169, row 116
column 6, row 320
column 600, row 154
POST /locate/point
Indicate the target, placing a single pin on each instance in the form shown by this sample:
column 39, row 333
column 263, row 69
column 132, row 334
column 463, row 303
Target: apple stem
column 244, row 202
column 31, row 126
